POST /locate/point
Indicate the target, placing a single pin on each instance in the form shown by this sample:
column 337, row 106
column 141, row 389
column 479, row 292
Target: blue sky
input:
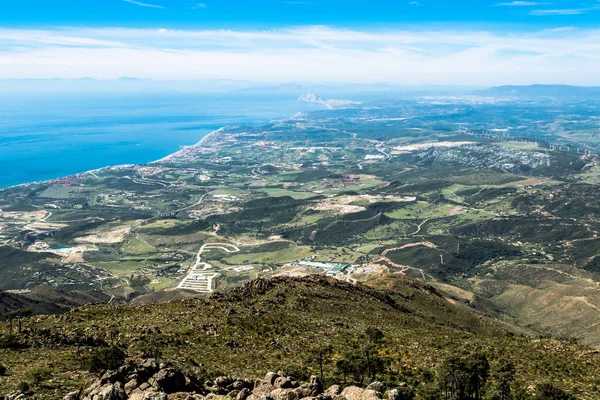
column 479, row 42
column 268, row 13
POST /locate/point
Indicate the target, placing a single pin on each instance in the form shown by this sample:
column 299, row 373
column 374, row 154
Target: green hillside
column 281, row 323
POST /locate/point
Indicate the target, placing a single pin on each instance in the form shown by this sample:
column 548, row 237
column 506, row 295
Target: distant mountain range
column 327, row 90
column 545, row 91
column 135, row 85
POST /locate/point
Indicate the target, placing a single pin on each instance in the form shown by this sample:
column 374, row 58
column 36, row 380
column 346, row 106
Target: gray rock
column 109, row 391
column 131, row 385
column 169, row 380
column 270, row 378
column 223, row 381
column 187, row 396
column 18, row 395
column 149, row 396
column 283, row 394
column 393, row 394
column 243, row 394
column 240, row 384
column 125, row 370
column 315, row 386
column 377, row 386
column 356, row 393
column 334, row 390
column 72, row 395
column 285, row 383
column 110, row 377
column 147, row 368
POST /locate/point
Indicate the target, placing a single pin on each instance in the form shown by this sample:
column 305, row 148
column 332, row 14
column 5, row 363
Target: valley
column 492, row 202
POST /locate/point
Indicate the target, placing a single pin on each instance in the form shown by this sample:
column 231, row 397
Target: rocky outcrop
column 146, row 381
column 18, row 395
column 152, row 381
column 356, row 393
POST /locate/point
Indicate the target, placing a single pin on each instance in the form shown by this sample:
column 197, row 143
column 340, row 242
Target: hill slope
column 11, row 303
column 277, row 324
column 46, row 299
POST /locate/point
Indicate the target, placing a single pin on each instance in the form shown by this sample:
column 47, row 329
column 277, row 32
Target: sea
column 48, row 136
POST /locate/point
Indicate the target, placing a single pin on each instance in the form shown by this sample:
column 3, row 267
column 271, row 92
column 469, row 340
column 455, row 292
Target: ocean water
column 49, row 136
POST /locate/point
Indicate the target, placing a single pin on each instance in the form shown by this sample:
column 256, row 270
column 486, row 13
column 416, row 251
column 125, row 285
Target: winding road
column 198, row 279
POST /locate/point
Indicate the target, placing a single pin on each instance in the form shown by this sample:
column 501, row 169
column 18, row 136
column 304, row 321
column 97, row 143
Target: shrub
column 23, row 386
column 105, row 358
column 548, row 391
column 39, row 375
column 10, row 341
column 2, row 370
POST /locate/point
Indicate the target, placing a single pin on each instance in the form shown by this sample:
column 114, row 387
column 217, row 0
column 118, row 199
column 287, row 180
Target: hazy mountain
column 545, row 91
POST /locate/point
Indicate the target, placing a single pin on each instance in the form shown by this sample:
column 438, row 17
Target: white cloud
column 139, row 3
column 565, row 11
column 199, row 5
column 311, row 53
column 519, row 4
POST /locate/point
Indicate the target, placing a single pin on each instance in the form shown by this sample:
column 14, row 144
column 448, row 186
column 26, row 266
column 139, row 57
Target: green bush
column 10, row 341
column 23, row 386
column 548, row 391
column 105, row 358
column 39, row 375
column 2, row 370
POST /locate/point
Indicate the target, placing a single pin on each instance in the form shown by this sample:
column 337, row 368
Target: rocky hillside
column 12, row 304
column 398, row 331
column 45, row 299
column 150, row 380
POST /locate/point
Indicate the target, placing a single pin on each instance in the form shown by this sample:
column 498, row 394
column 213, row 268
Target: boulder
column 126, row 370
column 377, row 386
column 270, row 378
column 147, row 368
column 285, row 394
column 144, row 386
column 186, row 396
column 356, row 393
column 149, row 396
column 240, row 384
column 72, row 395
column 285, row 383
column 18, row 395
column 393, row 394
column 315, row 386
column 169, row 380
column 131, row 385
column 262, row 389
column 110, row 391
column 334, row 390
column 223, row 381
column 110, row 377
column 219, row 391
column 243, row 394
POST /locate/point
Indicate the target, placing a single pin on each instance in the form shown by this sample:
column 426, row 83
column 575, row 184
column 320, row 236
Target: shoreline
column 167, row 158
column 192, row 146
column 108, row 167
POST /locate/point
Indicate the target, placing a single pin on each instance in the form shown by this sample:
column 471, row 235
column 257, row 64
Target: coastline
column 170, row 157
column 193, row 146
column 109, row 167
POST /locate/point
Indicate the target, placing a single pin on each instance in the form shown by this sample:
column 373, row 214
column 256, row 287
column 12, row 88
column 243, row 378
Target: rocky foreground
column 152, row 381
